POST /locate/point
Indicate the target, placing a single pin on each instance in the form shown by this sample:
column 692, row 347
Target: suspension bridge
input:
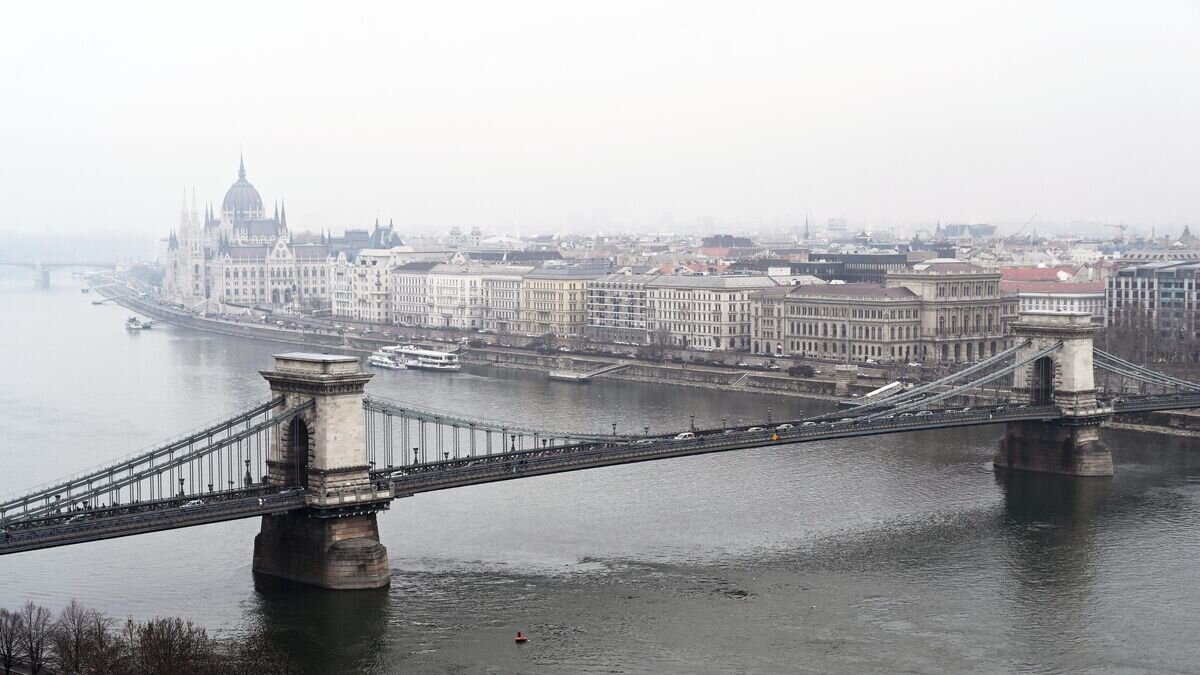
column 320, row 459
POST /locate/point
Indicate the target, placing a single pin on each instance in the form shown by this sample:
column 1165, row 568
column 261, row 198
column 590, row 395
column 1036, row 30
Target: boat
column 426, row 359
column 521, row 639
column 386, row 358
column 134, row 323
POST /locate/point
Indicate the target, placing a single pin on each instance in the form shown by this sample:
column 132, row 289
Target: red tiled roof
column 1033, row 273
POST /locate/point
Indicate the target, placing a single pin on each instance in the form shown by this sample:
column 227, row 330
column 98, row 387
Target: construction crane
column 1014, row 235
column 1122, row 227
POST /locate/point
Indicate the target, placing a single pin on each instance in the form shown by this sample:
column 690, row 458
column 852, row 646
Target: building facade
column 941, row 311
column 616, row 308
column 237, row 256
column 964, row 315
column 1059, row 296
column 554, row 299
column 852, row 322
column 1163, row 294
column 705, row 312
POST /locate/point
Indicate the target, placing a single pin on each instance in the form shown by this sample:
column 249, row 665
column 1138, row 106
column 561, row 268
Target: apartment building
column 411, row 300
column 501, row 287
column 710, row 312
column 616, row 308
column 460, row 295
column 553, row 298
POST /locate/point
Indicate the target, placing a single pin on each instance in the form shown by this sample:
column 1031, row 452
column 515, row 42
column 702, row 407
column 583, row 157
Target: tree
column 107, row 653
column 10, row 638
column 71, row 637
column 35, row 635
column 656, row 347
column 170, row 645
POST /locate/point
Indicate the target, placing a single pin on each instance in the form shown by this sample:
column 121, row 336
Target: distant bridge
column 319, row 460
column 42, row 269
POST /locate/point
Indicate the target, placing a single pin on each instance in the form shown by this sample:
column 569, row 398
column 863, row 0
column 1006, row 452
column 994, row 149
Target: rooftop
column 844, row 291
column 726, row 282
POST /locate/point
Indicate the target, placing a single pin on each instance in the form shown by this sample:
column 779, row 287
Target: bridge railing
column 210, row 463
column 464, row 471
column 63, row 485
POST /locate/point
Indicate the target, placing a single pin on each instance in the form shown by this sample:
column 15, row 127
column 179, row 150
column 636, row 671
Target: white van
column 685, row 436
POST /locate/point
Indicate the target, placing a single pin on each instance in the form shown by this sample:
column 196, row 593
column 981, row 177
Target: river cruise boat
column 427, row 359
column 134, row 323
column 387, row 358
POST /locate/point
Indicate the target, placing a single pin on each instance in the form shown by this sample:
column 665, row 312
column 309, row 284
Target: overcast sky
column 568, row 115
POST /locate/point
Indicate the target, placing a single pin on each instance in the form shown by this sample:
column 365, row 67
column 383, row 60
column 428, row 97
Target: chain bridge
column 320, row 459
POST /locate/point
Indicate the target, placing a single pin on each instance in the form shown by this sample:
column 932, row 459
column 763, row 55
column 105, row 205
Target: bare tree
column 107, row 653
column 10, row 638
column 170, row 645
column 35, row 635
column 70, row 638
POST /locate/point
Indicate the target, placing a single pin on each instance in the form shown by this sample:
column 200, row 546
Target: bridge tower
column 41, row 275
column 1070, row 445
column 334, row 542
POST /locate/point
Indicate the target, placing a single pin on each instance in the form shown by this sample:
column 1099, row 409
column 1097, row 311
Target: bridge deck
column 59, row 529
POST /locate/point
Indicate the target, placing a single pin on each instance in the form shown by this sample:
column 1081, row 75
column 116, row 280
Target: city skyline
column 624, row 117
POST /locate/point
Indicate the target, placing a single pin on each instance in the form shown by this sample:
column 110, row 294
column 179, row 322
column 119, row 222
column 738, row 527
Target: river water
column 902, row 553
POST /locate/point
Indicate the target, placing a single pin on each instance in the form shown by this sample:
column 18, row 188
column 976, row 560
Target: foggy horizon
column 538, row 118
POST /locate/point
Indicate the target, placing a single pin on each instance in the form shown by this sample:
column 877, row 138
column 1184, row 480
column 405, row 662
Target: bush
column 801, row 371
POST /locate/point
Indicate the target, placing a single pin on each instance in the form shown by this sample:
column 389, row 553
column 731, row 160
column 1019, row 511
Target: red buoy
column 521, row 639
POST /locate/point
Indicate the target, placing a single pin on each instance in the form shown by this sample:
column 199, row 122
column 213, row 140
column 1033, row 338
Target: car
column 731, row 431
column 906, row 414
column 913, row 364
column 751, row 429
column 785, row 426
column 924, row 413
column 888, row 417
column 644, row 441
column 809, row 424
column 772, row 367
column 846, row 419
column 191, row 504
column 685, row 436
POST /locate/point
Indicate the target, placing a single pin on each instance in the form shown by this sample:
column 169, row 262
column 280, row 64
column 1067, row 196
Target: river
column 902, row 553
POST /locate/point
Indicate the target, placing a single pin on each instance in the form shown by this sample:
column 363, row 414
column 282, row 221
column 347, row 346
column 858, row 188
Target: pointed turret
column 277, row 210
column 283, row 213
column 241, row 166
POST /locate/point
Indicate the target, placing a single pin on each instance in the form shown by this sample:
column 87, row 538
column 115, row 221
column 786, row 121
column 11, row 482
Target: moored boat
column 426, row 359
column 386, row 358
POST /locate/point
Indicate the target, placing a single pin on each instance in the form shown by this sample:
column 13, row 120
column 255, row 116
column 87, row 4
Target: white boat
column 385, row 358
column 426, row 359
column 134, row 323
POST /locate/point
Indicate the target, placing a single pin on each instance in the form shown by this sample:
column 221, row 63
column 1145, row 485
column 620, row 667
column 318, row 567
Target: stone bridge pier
column 1070, row 445
column 334, row 542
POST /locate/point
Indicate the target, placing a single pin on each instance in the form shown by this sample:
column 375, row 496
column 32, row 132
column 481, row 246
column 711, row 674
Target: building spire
column 241, row 167
column 276, row 210
column 283, row 213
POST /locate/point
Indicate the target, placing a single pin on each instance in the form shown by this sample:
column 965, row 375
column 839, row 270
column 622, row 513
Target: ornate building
column 240, row 257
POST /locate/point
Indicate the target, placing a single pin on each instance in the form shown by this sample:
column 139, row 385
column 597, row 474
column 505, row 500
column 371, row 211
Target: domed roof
column 242, row 200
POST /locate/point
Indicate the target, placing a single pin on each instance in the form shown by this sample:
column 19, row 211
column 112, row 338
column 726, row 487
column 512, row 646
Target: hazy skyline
column 547, row 116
